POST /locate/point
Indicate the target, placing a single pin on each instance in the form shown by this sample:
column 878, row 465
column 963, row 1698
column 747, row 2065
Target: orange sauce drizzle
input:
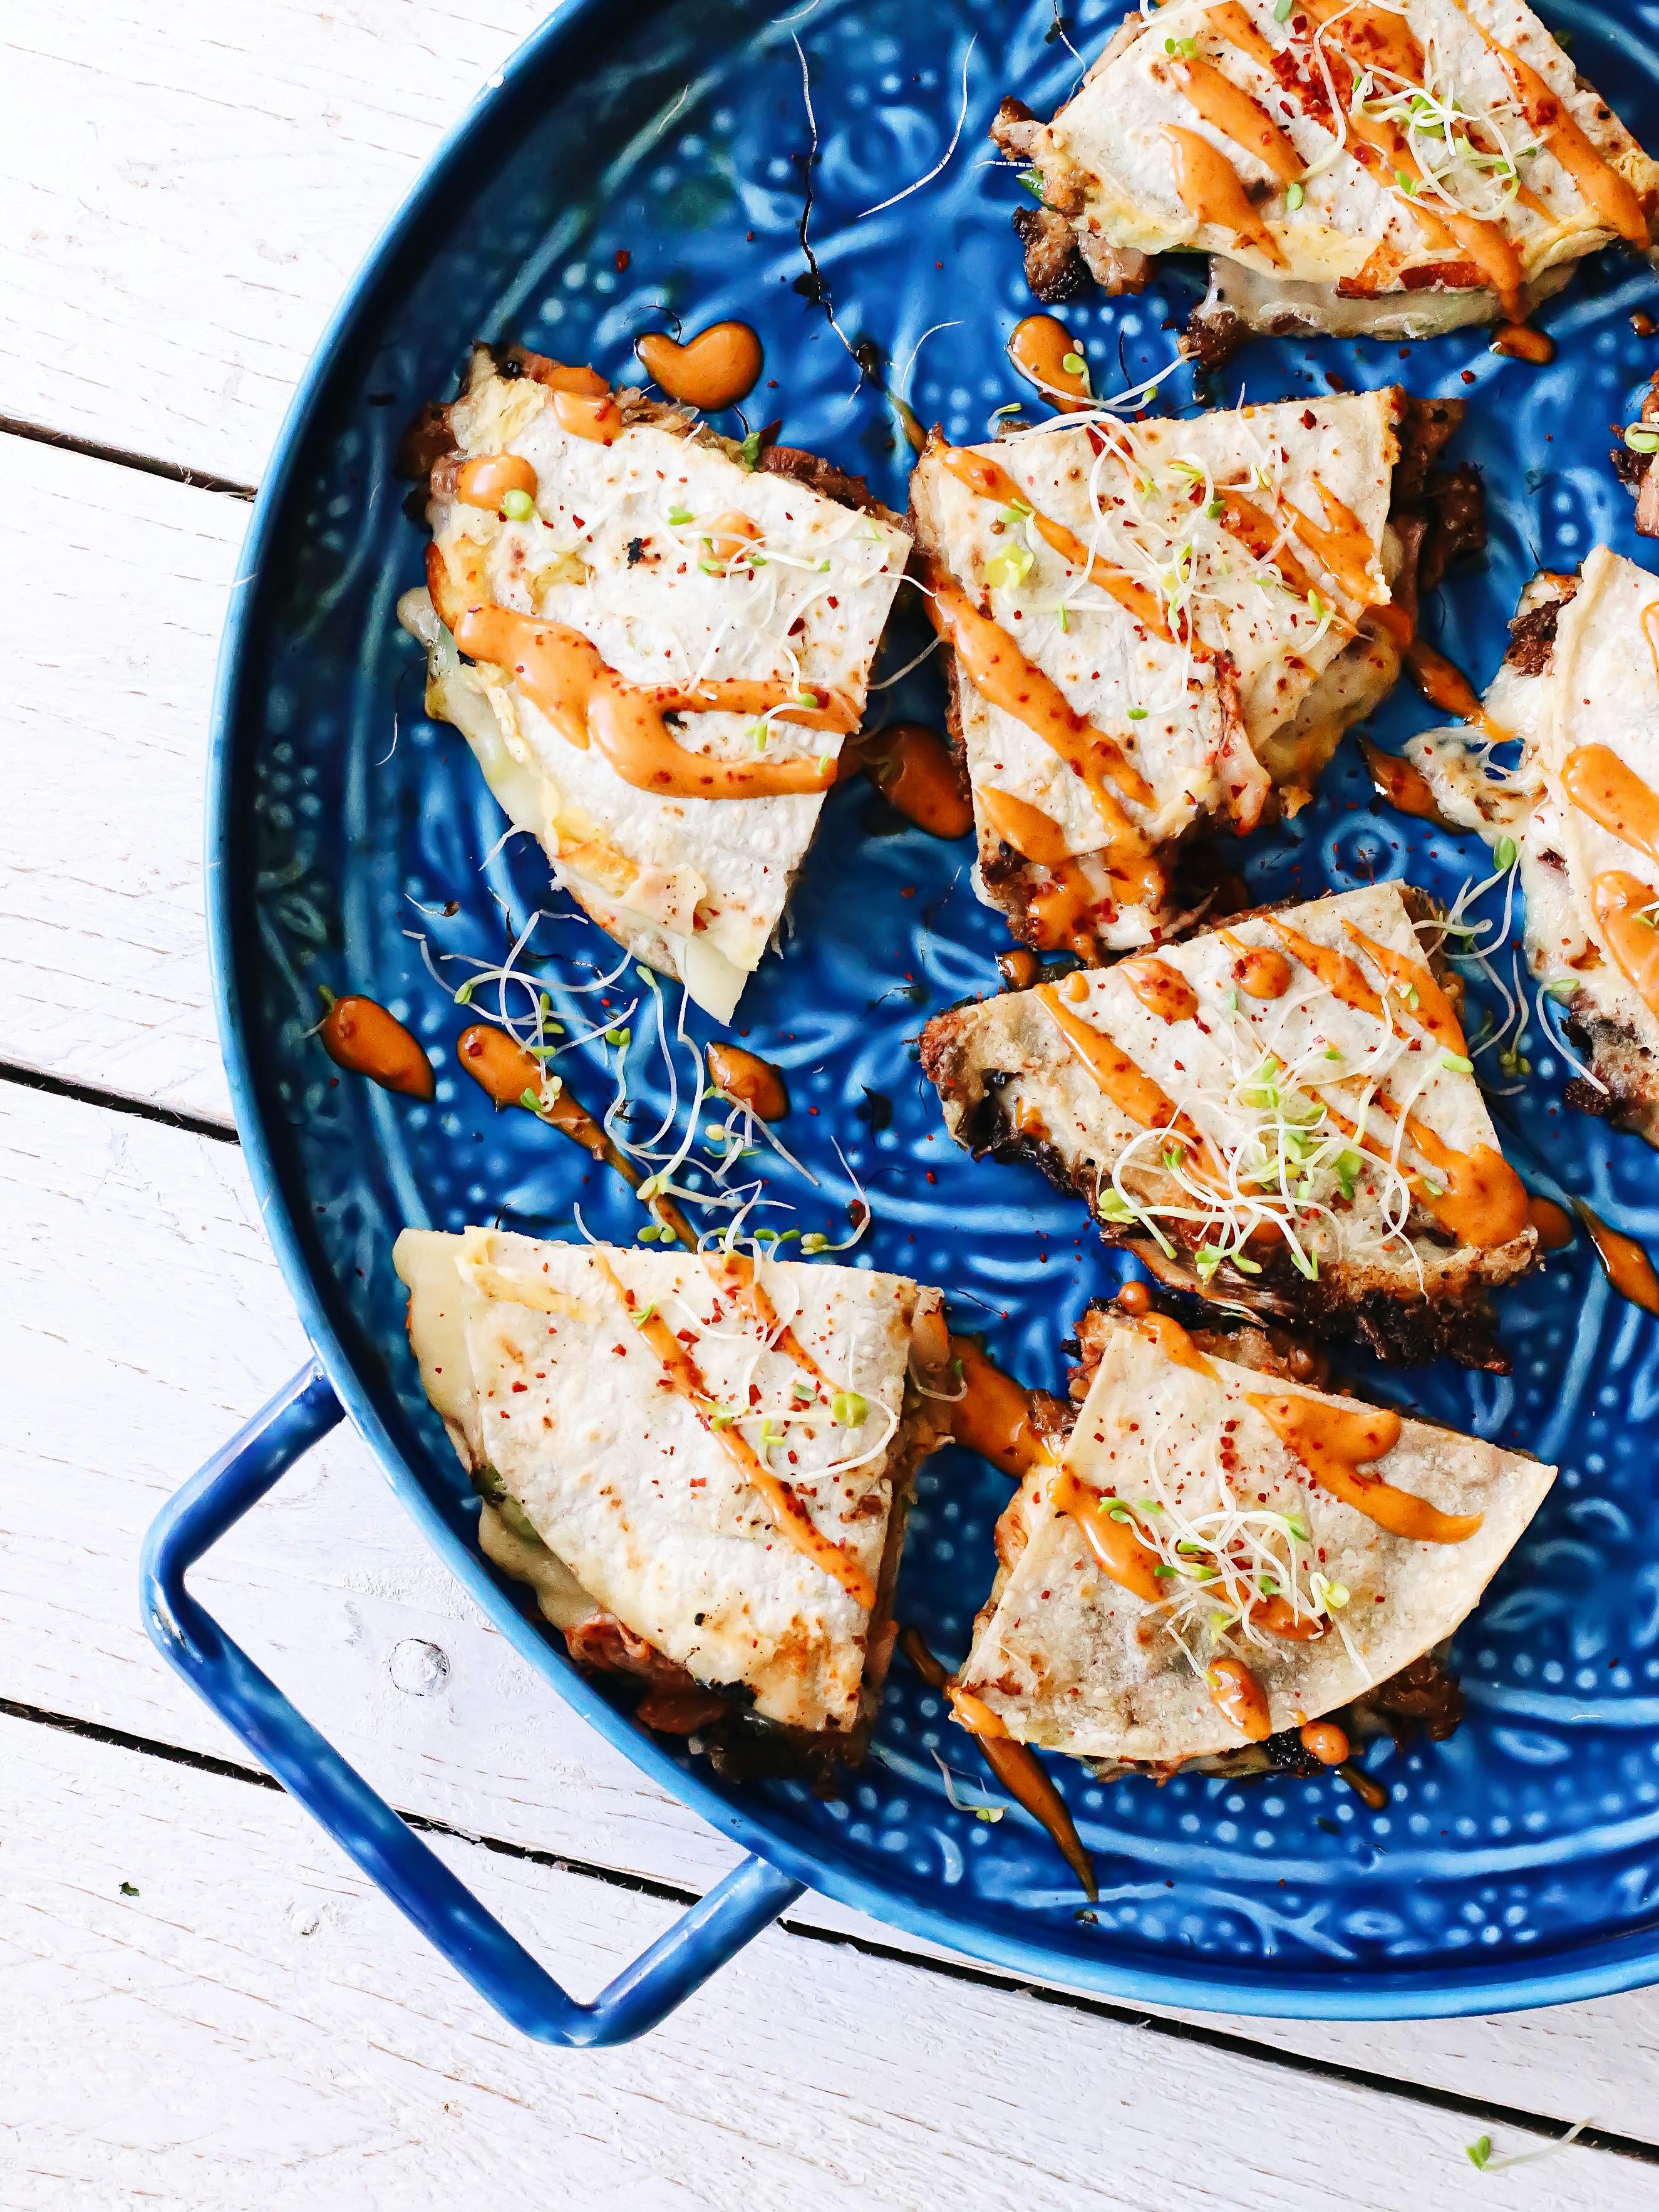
column 1401, row 782
column 1239, row 1699
column 1212, row 189
column 1279, row 1617
column 1362, row 36
column 735, row 1273
column 1483, row 1202
column 1061, row 911
column 712, row 370
column 1229, row 109
column 1611, row 793
column 750, row 1080
column 1323, row 1741
column 993, row 1415
column 593, row 416
column 1014, row 1764
column 1624, row 1263
column 1231, row 23
column 1344, row 978
column 1444, row 684
column 359, row 1035
column 915, row 772
column 789, row 1517
column 1126, row 1085
column 1520, row 343
column 506, row 1070
column 1651, row 630
column 1600, row 184
column 977, row 1716
column 1258, row 529
column 583, row 695
column 1039, row 350
column 728, row 535
column 1343, row 544
column 992, row 481
column 1000, row 672
column 1167, row 1336
column 1033, row 834
column 1551, row 1224
column 1433, row 1010
column 486, row 481
column 1161, row 989
column 565, row 376
column 1258, row 971
column 1369, row 35
column 1336, row 1443
column 1619, row 899
column 1019, row 969
column 1117, row 1549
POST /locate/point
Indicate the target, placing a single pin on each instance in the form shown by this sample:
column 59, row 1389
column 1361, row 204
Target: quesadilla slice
column 1279, row 1114
column 1349, row 168
column 1224, row 1562
column 702, row 1462
column 1579, row 688
column 667, row 638
column 1151, row 625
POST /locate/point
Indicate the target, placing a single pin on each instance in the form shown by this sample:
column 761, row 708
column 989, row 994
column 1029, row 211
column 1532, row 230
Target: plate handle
column 415, row 1880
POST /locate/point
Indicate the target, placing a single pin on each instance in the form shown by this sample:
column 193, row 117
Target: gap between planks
column 327, row 1580
column 1177, row 2031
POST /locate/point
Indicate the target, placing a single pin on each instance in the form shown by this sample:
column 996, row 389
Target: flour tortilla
column 1071, row 1662
column 694, row 887
column 1354, row 259
column 1274, row 683
column 550, row 1391
column 1003, row 1068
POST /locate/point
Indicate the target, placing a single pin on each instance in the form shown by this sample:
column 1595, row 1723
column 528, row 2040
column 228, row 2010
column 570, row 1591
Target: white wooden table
column 201, row 2003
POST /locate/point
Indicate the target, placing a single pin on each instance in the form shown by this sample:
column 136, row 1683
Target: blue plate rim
column 1566, row 1974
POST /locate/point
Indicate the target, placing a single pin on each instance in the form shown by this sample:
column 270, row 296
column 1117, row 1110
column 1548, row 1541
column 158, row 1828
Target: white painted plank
column 112, row 587
column 184, row 194
column 143, row 1318
column 256, row 2025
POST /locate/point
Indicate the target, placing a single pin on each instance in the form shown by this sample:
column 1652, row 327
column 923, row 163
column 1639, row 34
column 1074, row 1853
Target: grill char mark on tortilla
column 999, row 1076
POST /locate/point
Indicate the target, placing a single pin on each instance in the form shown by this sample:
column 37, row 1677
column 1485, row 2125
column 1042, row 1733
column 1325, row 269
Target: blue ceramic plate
column 640, row 162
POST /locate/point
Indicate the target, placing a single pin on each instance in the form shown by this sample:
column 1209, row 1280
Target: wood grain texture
column 263, row 2029
column 112, row 589
column 145, row 1319
column 184, row 194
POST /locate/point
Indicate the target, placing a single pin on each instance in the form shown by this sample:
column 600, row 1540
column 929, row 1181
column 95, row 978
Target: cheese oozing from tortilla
column 1152, row 622
column 713, row 1453
column 1228, row 1550
column 1401, row 169
column 649, row 576
column 1279, row 1112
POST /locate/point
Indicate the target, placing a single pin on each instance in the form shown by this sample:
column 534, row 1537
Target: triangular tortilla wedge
column 697, row 1461
column 1205, row 1101
column 1209, row 1502
column 1349, row 168
column 686, row 578
column 1150, row 624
